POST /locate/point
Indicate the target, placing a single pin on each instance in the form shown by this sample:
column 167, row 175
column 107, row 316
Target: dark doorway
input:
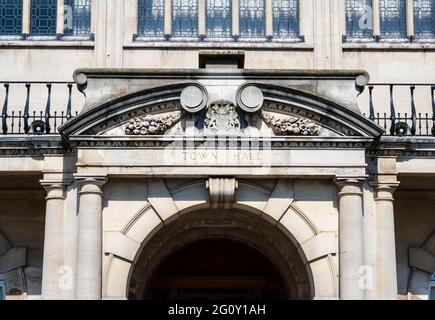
column 216, row 269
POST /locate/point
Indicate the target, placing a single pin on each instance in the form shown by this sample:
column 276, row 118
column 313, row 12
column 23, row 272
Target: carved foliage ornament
column 290, row 125
column 152, row 124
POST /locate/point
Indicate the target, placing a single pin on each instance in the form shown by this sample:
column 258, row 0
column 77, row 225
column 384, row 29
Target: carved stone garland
column 152, row 124
column 290, row 125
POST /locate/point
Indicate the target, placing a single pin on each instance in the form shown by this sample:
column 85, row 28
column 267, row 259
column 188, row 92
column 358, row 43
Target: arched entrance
column 213, row 254
column 216, row 269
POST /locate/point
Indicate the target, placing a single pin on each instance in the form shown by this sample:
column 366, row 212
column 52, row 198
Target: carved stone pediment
column 255, row 110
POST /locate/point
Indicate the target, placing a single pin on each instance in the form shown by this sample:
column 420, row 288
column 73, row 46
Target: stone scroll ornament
column 290, row 125
column 152, row 124
column 222, row 117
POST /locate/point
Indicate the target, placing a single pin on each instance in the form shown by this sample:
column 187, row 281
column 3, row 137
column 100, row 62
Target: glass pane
column 424, row 19
column 77, row 17
column 393, row 19
column 11, row 12
column 151, row 17
column 251, row 18
column 218, row 19
column 43, row 17
column 185, row 18
column 285, row 18
column 359, row 19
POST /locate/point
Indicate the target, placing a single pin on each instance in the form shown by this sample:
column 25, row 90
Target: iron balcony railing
column 406, row 119
column 41, row 116
column 38, row 107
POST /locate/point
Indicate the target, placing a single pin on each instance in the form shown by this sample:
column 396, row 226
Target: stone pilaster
column 351, row 244
column 89, row 251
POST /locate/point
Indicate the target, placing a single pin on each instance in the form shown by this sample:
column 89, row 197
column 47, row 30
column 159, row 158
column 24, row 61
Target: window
column 252, row 21
column 2, row 288
column 151, row 18
column 77, row 18
column 218, row 19
column 185, row 18
column 43, row 17
column 424, row 19
column 11, row 13
column 359, row 23
column 214, row 20
column 432, row 288
column 285, row 19
column 393, row 19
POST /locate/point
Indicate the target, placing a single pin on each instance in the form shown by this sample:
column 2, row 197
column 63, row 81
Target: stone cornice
column 30, row 145
column 46, row 145
column 394, row 146
column 81, row 75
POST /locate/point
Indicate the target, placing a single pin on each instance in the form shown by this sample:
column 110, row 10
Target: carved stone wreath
column 290, row 125
column 152, row 124
column 222, row 117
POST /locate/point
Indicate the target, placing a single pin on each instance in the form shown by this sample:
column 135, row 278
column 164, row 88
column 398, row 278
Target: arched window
column 359, row 23
column 424, row 19
column 151, row 18
column 77, row 18
column 11, row 15
column 285, row 19
column 185, row 18
column 252, row 18
column 393, row 19
column 218, row 19
column 43, row 17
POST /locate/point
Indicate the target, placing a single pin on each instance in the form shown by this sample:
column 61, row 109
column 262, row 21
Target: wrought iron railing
column 406, row 120
column 23, row 117
column 38, row 107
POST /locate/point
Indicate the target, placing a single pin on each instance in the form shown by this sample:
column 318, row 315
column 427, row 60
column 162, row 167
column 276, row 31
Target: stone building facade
column 214, row 149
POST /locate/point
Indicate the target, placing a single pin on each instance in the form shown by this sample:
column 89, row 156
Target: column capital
column 384, row 190
column 350, row 185
column 55, row 189
column 90, row 184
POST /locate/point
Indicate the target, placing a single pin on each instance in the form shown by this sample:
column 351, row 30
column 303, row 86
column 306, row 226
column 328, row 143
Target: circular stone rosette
column 194, row 98
column 249, row 98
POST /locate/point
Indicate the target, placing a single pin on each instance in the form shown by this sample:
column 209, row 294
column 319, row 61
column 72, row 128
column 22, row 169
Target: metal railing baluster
column 69, row 105
column 392, row 111
column 413, row 112
column 26, row 110
column 371, row 106
column 47, row 115
column 5, row 110
column 433, row 108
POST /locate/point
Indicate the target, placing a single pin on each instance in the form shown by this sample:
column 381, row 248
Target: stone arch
column 270, row 202
column 12, row 263
column 422, row 264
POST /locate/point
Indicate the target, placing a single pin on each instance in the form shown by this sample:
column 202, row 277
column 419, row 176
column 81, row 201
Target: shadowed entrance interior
column 216, row 269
